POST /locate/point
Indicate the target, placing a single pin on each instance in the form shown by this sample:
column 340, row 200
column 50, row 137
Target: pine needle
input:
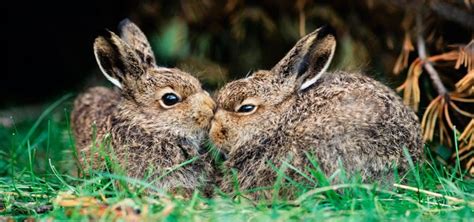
column 466, row 84
column 402, row 60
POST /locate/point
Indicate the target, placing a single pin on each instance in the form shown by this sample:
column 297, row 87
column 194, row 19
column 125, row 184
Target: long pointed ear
column 133, row 36
column 117, row 61
column 309, row 59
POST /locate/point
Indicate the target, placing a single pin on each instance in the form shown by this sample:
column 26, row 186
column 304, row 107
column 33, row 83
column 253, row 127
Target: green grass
column 37, row 167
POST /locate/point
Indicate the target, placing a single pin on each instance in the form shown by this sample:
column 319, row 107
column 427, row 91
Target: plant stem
column 420, row 42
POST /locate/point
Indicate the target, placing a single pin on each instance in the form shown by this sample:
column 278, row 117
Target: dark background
column 50, row 42
column 49, row 46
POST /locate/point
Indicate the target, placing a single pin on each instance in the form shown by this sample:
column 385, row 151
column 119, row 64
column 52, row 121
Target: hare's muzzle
column 203, row 107
column 218, row 132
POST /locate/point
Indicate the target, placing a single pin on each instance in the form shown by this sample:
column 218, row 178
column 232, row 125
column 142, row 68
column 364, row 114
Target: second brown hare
column 155, row 121
column 298, row 108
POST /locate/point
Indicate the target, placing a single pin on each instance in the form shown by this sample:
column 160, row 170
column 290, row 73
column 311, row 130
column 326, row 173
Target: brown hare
column 156, row 119
column 298, row 108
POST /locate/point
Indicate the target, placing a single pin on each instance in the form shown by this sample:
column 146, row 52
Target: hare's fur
column 342, row 118
column 147, row 139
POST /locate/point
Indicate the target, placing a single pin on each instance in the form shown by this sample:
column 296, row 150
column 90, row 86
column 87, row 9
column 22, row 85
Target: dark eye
column 170, row 99
column 246, row 108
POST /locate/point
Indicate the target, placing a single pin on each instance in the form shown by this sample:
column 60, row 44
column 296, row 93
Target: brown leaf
column 124, row 210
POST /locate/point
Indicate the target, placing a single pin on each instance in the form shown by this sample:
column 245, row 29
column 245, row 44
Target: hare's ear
column 117, row 61
column 133, row 36
column 309, row 59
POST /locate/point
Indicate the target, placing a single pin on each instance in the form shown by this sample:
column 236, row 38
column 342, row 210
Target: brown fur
column 146, row 137
column 344, row 117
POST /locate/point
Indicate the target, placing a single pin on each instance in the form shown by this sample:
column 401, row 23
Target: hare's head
column 250, row 108
column 171, row 99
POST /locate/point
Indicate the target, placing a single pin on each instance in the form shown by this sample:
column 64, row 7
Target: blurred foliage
column 231, row 38
column 223, row 40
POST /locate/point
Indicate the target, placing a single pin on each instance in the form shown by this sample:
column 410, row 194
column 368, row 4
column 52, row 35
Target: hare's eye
column 169, row 99
column 247, row 108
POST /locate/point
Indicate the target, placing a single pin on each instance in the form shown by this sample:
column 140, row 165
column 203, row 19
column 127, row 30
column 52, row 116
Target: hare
column 298, row 108
column 156, row 119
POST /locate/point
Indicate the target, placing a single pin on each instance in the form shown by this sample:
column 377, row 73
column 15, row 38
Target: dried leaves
column 402, row 60
column 466, row 56
column 411, row 88
column 143, row 209
column 124, row 210
column 466, row 84
column 438, row 114
column 437, row 121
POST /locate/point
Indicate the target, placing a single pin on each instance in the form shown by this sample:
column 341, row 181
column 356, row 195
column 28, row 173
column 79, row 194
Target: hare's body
column 93, row 108
column 297, row 110
column 139, row 144
column 346, row 118
column 153, row 125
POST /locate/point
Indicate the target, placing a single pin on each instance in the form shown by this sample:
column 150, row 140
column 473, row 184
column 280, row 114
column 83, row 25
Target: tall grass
column 39, row 178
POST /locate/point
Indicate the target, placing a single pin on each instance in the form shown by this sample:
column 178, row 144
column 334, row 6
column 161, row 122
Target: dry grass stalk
column 466, row 148
column 466, row 84
column 402, row 60
column 430, row 193
column 466, row 56
column 438, row 113
column 410, row 88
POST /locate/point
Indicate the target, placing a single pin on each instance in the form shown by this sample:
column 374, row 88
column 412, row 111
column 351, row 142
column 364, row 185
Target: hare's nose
column 209, row 102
